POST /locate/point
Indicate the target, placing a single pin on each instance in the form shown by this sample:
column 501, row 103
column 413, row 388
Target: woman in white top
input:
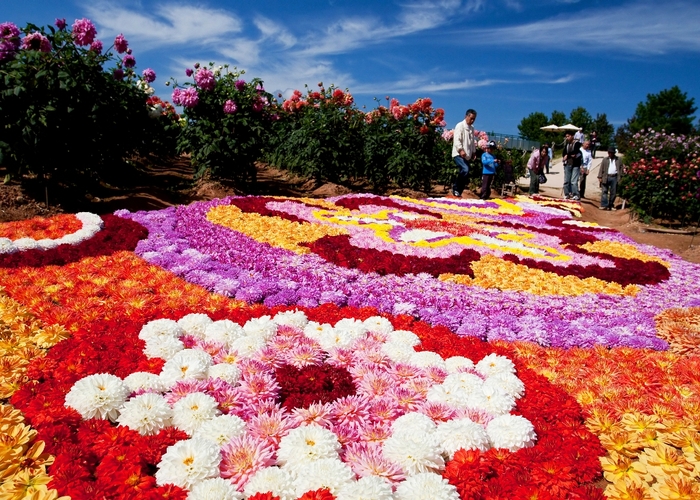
column 586, row 161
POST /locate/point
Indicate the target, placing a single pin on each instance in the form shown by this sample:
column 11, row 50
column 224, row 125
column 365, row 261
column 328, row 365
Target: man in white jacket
column 463, row 150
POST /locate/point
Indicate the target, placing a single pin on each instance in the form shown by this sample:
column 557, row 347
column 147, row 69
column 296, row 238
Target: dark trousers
column 608, row 192
column 486, row 181
column 534, row 182
column 582, row 184
column 462, row 175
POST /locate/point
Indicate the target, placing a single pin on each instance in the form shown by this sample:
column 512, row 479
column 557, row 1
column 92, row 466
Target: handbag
column 543, row 178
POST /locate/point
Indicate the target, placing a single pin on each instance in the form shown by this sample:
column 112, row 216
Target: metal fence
column 513, row 141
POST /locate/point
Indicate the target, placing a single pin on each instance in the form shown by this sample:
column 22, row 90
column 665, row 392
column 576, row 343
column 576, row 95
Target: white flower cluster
column 308, row 457
column 92, row 223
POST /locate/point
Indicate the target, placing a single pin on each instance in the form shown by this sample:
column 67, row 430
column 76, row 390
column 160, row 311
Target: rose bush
column 227, row 121
column 663, row 176
column 67, row 118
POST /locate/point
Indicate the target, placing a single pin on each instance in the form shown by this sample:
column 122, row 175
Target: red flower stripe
column 356, row 203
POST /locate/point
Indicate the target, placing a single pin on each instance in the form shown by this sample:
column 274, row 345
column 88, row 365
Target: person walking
column 489, row 164
column 571, row 160
column 586, row 163
column 550, row 154
column 463, row 150
column 594, row 143
column 536, row 165
column 611, row 169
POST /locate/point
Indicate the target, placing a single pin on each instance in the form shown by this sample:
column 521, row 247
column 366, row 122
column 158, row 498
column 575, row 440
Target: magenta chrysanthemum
column 60, row 23
column 120, row 43
column 36, row 41
column 189, row 98
column 84, row 32
column 204, row 78
column 149, row 75
column 129, row 61
column 240, row 85
column 96, row 46
column 230, row 107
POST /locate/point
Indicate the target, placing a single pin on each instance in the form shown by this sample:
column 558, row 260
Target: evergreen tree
column 670, row 110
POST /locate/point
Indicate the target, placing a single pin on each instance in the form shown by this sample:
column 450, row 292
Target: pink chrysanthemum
column 204, row 78
column 439, row 412
column 250, row 367
column 376, row 384
column 367, row 460
column 375, row 433
column 436, row 374
column 403, row 371
column 129, row 61
column 84, row 32
column 406, row 399
column 95, row 46
column 189, row 97
column 230, row 356
column 352, row 411
column 304, row 355
column 242, row 457
column 150, row 76
column 120, row 43
column 346, row 434
column 36, row 41
column 384, row 410
column 316, row 413
column 340, row 358
column 230, row 400
column 259, row 386
column 419, row 385
column 270, row 427
column 184, row 387
column 479, row 416
column 230, row 107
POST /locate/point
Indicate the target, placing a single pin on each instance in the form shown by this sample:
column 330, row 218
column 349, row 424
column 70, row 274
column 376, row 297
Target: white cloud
column 634, row 28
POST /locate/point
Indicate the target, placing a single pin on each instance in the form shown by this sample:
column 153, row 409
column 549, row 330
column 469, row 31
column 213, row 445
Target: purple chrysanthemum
column 240, row 85
column 84, row 32
column 60, row 23
column 189, row 71
column 120, row 43
column 129, row 61
column 149, row 75
column 189, row 97
column 230, row 107
column 205, row 79
column 118, row 74
column 36, row 41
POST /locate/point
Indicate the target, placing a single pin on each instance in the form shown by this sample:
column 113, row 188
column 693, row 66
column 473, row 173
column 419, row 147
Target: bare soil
column 152, row 187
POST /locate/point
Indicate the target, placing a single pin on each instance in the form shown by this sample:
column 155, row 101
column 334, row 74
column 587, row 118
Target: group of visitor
column 577, row 157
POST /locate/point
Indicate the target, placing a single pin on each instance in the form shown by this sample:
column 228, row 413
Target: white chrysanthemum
column 186, row 365
column 225, row 371
column 146, row 413
column 163, row 347
column 335, row 338
column 511, row 432
column 262, row 326
column 414, row 454
column 455, row 364
column 248, row 345
column 366, row 488
column 463, row 380
column 354, row 327
column 494, row 364
column 193, row 410
column 160, row 328
column 454, row 396
column 378, row 324
column 90, row 221
column 273, row 479
column 26, row 244
column 220, row 429
column 291, row 318
column 328, row 473
column 315, row 330
column 98, row 396
column 47, row 243
column 306, row 444
column 216, row 488
column 461, row 433
column 425, row 359
column 188, row 462
column 509, row 382
column 195, row 324
column 144, row 381
column 224, row 331
column 6, row 246
column 492, row 399
column 426, row 485
column 403, row 337
column 413, row 425
column 398, row 352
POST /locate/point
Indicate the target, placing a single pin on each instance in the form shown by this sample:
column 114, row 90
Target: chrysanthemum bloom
column 186, row 365
column 84, row 32
column 291, row 318
column 367, row 460
column 120, row 43
column 149, row 75
column 225, row 371
column 328, row 473
column 306, row 444
column 426, row 485
column 144, row 381
column 366, row 487
column 188, row 71
column 242, row 457
column 129, row 61
column 240, row 85
column 230, row 107
column 189, row 462
column 161, row 328
column 60, row 23
column 221, row 429
column 36, row 41
column 195, row 324
column 224, row 331
column 193, row 410
column 511, row 432
column 96, row 46
column 118, row 74
column 189, row 97
column 163, row 347
column 205, row 79
column 98, row 396
column 277, row 481
column 216, row 487
column 147, row 414
column 462, row 433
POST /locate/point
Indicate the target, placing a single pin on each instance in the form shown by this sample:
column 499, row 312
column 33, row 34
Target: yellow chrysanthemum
column 622, row 442
column 676, row 488
column 626, row 490
column 663, row 460
column 618, row 467
column 623, row 250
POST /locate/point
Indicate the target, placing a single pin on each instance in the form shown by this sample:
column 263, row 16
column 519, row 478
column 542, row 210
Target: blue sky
column 505, row 58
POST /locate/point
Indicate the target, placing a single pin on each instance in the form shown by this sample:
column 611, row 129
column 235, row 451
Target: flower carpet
column 358, row 347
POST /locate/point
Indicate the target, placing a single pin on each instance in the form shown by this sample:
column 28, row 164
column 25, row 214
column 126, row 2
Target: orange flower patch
column 41, row 228
column 680, row 328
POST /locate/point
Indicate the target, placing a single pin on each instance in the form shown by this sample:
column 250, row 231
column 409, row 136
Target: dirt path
column 167, row 185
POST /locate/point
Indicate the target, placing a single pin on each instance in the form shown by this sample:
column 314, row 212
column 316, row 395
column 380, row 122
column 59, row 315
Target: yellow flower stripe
column 22, row 338
column 624, row 250
column 22, row 460
column 272, row 230
column 493, row 272
column 680, row 328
